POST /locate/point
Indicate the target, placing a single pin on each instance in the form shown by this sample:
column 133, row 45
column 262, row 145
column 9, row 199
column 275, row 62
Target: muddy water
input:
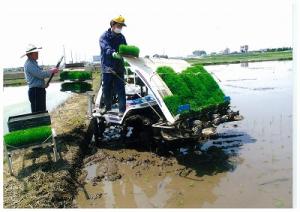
column 249, row 163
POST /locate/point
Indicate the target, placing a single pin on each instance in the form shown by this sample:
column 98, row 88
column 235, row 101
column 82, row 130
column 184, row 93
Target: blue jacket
column 34, row 74
column 109, row 43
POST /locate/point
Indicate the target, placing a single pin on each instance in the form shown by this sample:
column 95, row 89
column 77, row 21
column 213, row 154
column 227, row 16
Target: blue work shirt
column 109, row 43
column 34, row 74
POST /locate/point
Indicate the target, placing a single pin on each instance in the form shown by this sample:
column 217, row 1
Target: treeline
column 278, row 49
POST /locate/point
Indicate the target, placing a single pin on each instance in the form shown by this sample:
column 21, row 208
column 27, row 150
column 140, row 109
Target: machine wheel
column 98, row 128
column 141, row 132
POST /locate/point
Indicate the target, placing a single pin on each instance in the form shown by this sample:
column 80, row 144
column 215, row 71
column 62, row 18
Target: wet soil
column 248, row 164
column 38, row 181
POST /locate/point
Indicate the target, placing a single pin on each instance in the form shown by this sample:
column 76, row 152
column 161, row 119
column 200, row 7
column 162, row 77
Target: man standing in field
column 35, row 79
column 112, row 65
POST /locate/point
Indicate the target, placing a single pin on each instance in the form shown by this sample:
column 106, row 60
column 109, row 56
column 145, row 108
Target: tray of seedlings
column 76, row 81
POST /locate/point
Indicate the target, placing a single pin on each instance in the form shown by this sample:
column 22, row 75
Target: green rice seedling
column 193, row 86
column 129, row 50
column 172, row 103
column 75, row 75
column 27, row 136
column 77, row 87
column 174, row 82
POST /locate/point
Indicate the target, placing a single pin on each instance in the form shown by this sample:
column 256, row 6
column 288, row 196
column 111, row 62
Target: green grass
column 77, row 87
column 75, row 75
column 27, row 136
column 242, row 57
column 11, row 81
column 129, row 50
column 14, row 82
column 193, row 86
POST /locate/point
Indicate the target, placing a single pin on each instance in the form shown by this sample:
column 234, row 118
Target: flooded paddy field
column 248, row 164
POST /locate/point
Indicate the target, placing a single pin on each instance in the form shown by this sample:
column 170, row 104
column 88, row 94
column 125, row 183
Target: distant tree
column 160, row 56
column 278, row 49
column 199, row 53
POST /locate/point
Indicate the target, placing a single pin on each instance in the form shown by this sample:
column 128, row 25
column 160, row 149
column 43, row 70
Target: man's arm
column 124, row 40
column 37, row 72
column 105, row 45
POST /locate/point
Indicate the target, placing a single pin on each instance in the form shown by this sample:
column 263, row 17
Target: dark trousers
column 37, row 98
column 114, row 84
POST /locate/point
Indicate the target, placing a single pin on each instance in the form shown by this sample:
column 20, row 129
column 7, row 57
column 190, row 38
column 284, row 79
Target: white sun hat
column 31, row 48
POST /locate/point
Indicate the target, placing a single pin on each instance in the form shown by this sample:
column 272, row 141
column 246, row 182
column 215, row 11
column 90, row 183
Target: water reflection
column 244, row 64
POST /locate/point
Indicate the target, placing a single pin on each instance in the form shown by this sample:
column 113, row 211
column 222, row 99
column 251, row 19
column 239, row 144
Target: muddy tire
column 95, row 130
column 142, row 130
column 146, row 138
column 98, row 128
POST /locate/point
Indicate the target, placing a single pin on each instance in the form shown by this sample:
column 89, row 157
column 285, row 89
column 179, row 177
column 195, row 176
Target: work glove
column 117, row 56
column 54, row 70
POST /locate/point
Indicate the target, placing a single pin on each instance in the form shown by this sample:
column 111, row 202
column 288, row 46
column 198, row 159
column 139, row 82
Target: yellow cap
column 120, row 19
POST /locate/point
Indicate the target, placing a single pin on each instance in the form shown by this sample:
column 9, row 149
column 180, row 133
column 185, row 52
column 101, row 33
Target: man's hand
column 54, row 70
column 117, row 56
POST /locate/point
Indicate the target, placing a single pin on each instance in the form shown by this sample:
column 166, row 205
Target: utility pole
column 64, row 52
column 71, row 56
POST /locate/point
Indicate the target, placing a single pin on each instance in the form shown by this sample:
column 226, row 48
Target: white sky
column 168, row 27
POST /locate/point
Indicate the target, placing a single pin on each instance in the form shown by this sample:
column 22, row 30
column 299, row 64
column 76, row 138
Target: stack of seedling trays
column 194, row 91
column 76, row 81
column 21, row 138
column 28, row 130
